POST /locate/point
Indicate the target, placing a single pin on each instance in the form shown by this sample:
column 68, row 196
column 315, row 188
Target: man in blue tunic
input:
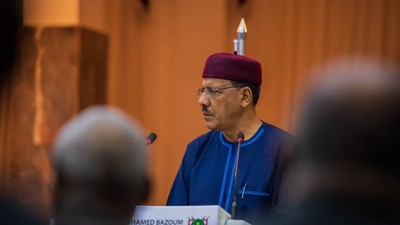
column 228, row 98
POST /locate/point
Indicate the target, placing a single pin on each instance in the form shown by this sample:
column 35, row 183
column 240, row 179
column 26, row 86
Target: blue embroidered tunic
column 206, row 175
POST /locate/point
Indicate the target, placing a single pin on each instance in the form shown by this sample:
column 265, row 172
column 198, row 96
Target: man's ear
column 247, row 96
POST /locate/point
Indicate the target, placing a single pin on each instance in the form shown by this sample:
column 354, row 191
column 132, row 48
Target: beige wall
column 61, row 13
column 51, row 13
column 156, row 60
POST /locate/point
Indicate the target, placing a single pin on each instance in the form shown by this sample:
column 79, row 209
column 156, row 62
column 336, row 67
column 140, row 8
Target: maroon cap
column 237, row 68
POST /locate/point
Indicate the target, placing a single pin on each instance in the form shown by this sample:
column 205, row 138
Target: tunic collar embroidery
column 228, row 144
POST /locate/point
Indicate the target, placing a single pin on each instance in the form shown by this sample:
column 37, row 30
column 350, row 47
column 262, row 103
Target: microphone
column 240, row 139
column 151, row 138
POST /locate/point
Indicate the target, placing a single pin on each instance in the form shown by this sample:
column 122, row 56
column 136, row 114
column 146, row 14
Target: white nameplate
column 180, row 215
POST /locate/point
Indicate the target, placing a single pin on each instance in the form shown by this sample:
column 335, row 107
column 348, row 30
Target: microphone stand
column 240, row 139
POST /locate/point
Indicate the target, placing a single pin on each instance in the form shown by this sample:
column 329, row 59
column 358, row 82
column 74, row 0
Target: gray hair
column 102, row 153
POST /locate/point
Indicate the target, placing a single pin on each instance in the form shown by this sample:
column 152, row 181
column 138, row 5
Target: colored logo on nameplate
column 193, row 221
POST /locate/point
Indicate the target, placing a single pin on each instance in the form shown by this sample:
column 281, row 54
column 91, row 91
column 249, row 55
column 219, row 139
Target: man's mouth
column 206, row 112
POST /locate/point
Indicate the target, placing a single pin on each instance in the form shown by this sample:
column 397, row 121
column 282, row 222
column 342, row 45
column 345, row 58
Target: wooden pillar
column 61, row 68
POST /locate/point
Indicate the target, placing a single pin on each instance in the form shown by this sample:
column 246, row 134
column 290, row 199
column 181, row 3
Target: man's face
column 220, row 103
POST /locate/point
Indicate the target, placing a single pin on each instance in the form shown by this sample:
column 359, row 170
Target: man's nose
column 203, row 100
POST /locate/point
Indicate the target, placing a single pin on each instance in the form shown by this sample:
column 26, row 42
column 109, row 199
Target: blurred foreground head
column 101, row 163
column 350, row 127
column 352, row 117
column 349, row 130
column 345, row 168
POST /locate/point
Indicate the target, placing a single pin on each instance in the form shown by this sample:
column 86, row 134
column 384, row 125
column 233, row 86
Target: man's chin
column 210, row 125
